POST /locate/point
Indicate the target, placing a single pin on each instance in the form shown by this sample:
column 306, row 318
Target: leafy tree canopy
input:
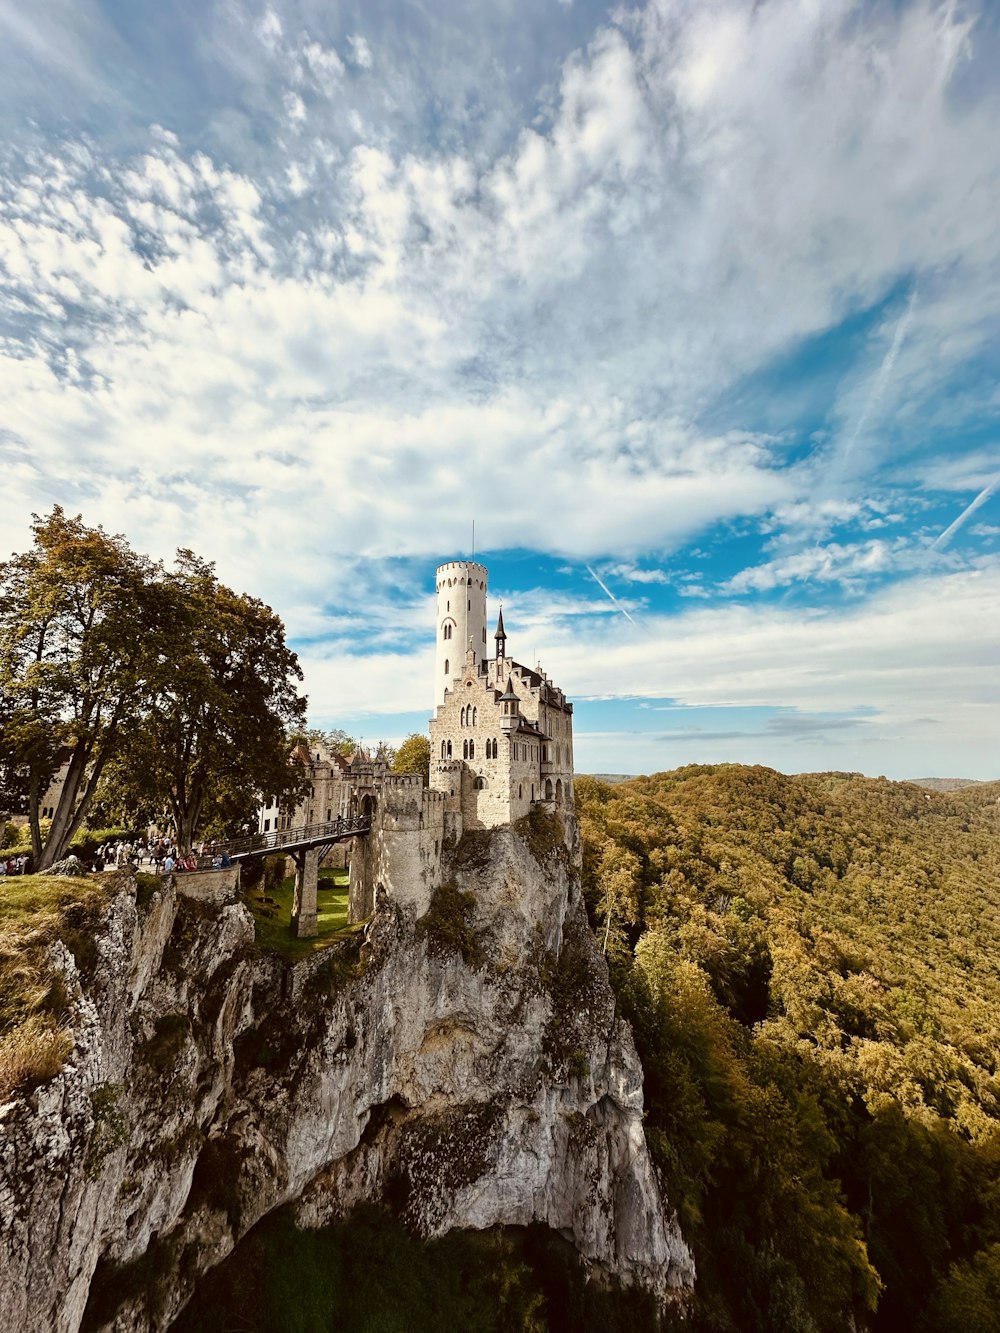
column 160, row 690
column 414, row 756
column 808, row 966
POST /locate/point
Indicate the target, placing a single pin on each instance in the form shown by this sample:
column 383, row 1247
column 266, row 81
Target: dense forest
column 811, row 970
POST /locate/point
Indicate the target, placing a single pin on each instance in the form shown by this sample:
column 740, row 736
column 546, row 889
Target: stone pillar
column 304, row 900
column 361, row 900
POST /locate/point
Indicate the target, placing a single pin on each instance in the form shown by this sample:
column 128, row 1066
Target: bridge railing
column 257, row 843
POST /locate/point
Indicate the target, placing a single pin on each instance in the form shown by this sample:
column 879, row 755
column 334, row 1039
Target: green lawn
column 272, row 913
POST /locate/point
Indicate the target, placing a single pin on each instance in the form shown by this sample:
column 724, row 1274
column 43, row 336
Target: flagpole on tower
column 473, row 539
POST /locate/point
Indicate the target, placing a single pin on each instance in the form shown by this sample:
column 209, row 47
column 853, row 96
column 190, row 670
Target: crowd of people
column 161, row 854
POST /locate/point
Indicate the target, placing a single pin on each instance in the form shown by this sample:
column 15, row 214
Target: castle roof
column 510, row 692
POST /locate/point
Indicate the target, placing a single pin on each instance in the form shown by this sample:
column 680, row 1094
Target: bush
column 31, row 1053
column 447, row 928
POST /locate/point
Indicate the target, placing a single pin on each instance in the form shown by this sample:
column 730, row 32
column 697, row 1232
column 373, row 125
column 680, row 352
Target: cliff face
column 465, row 1068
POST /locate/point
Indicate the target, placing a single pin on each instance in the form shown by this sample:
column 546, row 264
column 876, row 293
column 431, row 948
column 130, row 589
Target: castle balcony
column 547, row 766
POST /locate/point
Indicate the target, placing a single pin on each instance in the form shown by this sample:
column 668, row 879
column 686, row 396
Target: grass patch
column 36, row 910
column 272, row 916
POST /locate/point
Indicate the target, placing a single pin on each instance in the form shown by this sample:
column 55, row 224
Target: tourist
column 168, row 864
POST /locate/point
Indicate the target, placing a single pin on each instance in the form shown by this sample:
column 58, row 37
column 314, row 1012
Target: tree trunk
column 60, row 832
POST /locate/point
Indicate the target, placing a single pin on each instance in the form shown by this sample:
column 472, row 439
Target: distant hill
column 810, row 968
column 945, row 784
column 612, row 778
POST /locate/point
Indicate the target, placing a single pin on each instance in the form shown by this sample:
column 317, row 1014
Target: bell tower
column 461, row 621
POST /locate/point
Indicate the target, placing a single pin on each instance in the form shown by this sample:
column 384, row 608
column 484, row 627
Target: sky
column 691, row 307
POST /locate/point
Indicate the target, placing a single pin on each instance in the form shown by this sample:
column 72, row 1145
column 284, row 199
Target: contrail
column 882, row 378
column 969, row 510
column 606, row 589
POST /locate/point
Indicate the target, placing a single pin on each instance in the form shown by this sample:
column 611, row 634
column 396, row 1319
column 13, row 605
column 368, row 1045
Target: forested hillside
column 812, row 971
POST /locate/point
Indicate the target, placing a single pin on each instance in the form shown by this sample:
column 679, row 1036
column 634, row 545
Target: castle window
column 472, row 749
column 475, row 717
column 470, row 603
column 449, row 749
column 480, row 784
column 447, row 631
column 484, row 634
column 446, row 666
column 461, row 717
column 442, row 750
column 519, row 793
column 267, row 825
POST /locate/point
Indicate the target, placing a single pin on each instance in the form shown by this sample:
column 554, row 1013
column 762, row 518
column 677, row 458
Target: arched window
column 443, row 755
column 447, row 630
column 548, row 789
column 559, row 790
column 475, row 717
column 447, row 666
column 480, row 784
column 472, row 749
column 461, row 717
column 465, row 749
column 449, row 749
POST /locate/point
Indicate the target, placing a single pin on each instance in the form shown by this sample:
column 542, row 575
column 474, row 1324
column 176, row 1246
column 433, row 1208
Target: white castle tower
column 461, row 621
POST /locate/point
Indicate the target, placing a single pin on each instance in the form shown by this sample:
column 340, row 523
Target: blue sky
column 692, row 306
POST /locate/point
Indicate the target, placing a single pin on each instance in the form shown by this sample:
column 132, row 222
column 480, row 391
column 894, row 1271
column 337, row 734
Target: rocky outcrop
column 467, row 1068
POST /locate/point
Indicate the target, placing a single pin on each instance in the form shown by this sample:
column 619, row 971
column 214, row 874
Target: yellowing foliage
column 810, row 965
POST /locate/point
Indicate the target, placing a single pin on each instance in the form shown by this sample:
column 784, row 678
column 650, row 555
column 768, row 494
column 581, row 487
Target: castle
column 502, row 734
column 501, row 742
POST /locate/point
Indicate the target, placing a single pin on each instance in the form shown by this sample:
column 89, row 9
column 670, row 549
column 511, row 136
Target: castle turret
column 461, row 621
column 510, row 708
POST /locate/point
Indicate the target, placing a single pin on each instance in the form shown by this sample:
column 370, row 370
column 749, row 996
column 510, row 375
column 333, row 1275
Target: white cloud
column 830, row 563
column 360, row 51
column 295, row 109
column 269, row 29
column 324, row 64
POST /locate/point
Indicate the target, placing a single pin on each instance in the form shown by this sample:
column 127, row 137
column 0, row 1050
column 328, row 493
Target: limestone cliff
column 467, row 1068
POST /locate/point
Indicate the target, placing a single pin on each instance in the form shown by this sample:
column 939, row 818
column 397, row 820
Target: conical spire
column 501, row 636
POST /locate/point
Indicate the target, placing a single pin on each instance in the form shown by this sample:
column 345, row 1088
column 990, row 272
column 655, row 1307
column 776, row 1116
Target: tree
column 336, row 741
column 215, row 737
column 414, row 756
column 81, row 637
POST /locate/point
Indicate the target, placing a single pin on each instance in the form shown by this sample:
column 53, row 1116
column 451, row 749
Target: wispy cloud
column 303, row 298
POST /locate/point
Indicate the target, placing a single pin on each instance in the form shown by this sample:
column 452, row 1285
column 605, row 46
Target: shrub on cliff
column 35, row 911
column 447, row 926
